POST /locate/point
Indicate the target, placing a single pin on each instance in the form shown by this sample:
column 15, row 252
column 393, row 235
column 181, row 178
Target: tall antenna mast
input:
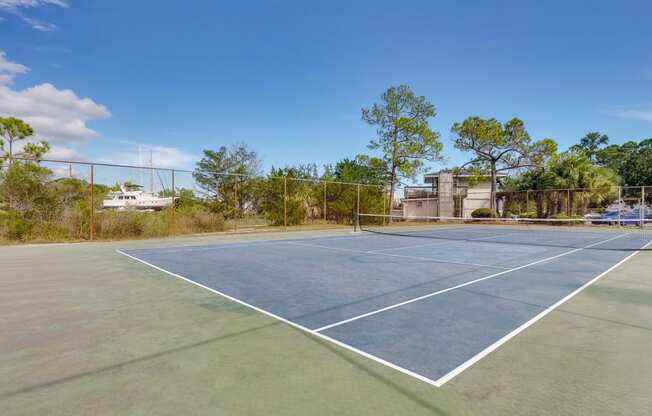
column 140, row 163
column 151, row 172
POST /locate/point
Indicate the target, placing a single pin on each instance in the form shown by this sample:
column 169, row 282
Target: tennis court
column 429, row 301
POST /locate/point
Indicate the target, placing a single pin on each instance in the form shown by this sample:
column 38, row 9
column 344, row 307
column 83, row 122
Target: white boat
column 132, row 197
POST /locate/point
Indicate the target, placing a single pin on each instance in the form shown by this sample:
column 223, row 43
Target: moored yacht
column 132, row 197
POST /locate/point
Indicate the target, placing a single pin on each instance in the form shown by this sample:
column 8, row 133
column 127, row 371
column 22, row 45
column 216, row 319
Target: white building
column 447, row 195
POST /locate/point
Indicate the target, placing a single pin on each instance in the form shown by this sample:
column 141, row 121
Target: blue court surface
column 427, row 303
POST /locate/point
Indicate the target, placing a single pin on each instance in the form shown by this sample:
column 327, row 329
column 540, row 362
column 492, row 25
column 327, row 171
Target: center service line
column 439, row 292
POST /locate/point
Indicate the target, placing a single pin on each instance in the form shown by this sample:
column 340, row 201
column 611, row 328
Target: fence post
column 527, row 201
column 285, row 203
column 92, row 208
column 174, row 207
column 569, row 207
column 620, row 205
column 642, row 208
column 235, row 205
column 325, row 184
column 357, row 209
column 384, row 204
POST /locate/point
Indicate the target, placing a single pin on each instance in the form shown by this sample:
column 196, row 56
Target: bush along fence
column 58, row 200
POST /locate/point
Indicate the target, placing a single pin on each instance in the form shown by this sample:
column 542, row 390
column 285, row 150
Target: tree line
column 231, row 184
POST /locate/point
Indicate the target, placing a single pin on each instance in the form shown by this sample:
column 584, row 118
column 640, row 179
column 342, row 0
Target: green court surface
column 86, row 331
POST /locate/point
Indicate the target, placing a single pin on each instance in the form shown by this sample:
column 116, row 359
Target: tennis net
column 549, row 232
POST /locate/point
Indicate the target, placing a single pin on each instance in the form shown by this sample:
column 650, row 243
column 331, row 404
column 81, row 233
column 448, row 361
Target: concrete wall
column 420, row 207
column 478, row 196
column 446, row 194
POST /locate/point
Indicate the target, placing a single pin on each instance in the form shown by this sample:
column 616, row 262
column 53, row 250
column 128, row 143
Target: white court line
column 438, row 383
column 220, row 246
column 439, row 243
column 377, row 253
column 439, row 292
column 447, row 377
column 286, row 321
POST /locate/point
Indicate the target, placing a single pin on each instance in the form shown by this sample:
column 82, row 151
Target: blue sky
column 289, row 78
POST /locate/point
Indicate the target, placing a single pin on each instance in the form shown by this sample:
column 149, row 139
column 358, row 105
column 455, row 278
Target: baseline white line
column 219, row 246
column 288, row 322
column 450, row 375
column 440, row 243
column 377, row 253
column 439, row 292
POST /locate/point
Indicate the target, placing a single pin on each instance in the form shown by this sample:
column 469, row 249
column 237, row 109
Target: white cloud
column 9, row 70
column 40, row 25
column 16, row 4
column 162, row 157
column 639, row 114
column 57, row 116
column 59, row 152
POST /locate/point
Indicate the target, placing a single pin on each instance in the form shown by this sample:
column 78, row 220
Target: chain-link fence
column 52, row 200
column 623, row 205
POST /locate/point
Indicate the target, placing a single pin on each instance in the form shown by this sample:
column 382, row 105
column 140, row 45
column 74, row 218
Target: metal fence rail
column 243, row 201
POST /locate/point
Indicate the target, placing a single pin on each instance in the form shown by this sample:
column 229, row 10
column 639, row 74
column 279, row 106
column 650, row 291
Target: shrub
column 197, row 219
column 483, row 213
column 16, row 226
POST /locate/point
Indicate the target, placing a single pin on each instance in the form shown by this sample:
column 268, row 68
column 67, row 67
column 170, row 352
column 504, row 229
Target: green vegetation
column 38, row 207
column 403, row 134
column 499, row 147
column 483, row 213
column 632, row 161
column 232, row 190
column 224, row 175
column 584, row 178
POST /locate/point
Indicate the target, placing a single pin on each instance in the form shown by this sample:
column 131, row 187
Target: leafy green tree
column 26, row 197
column 631, row 160
column 500, row 147
column 223, row 176
column 362, row 169
column 575, row 172
column 590, row 144
column 184, row 197
column 341, row 194
column 403, row 133
column 286, row 195
column 566, row 178
column 13, row 130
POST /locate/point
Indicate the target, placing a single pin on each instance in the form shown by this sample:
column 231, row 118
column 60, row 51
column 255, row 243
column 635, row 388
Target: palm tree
column 594, row 184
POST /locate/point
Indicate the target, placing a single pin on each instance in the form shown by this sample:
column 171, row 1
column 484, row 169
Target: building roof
column 460, row 174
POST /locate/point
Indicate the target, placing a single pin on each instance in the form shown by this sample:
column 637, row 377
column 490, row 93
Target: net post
column 173, row 206
column 92, row 209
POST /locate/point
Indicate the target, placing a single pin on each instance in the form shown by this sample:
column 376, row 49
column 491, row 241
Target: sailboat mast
column 140, row 163
column 151, row 172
